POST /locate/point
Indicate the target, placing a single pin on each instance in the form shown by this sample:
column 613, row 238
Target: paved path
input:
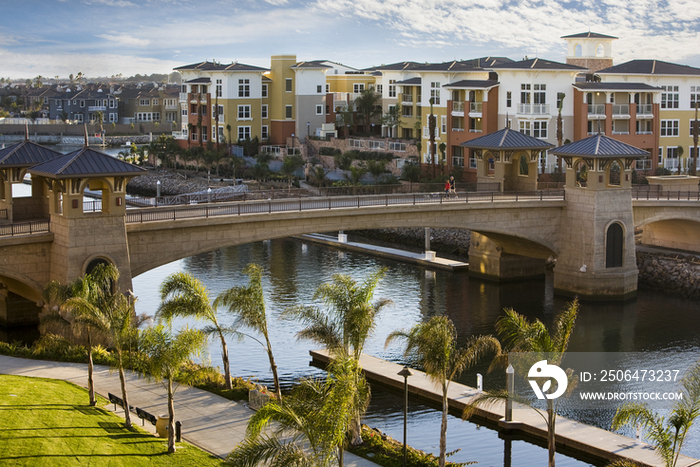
column 209, row 421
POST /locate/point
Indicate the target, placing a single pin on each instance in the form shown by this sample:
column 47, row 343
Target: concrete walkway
column 209, row 421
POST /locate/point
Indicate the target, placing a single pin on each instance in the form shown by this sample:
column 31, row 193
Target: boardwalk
column 572, row 435
column 209, row 421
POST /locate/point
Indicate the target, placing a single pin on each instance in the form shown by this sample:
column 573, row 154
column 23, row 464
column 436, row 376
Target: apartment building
column 84, row 105
column 151, row 103
column 662, row 107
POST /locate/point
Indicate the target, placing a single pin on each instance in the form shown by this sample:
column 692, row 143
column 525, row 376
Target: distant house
column 151, row 102
column 83, row 105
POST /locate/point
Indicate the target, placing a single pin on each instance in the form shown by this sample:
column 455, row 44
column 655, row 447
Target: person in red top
column 448, row 186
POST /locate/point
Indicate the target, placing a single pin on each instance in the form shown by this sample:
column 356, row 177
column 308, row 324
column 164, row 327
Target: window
column 380, row 88
column 644, row 127
column 524, row 93
column 79, row 118
column 263, row 111
column 203, row 109
column 319, row 110
column 669, row 97
column 443, row 124
column 398, row 147
column 288, row 85
column 614, row 246
column 661, row 156
column 263, row 132
column 358, row 87
column 244, row 112
column 46, row 101
column 59, row 103
column 669, row 127
column 264, row 90
column 472, row 160
column 694, row 96
column 435, row 92
column 169, row 117
column 112, row 118
column 407, row 111
column 76, row 102
column 539, row 94
column 328, row 88
column 218, row 88
column 508, row 98
column 204, row 91
column 112, row 104
column 82, row 103
column 193, row 136
column 220, row 112
column 457, row 156
column 184, row 112
column 392, row 88
column 319, row 88
column 539, row 129
column 155, row 101
column 525, row 127
column 243, row 88
column 376, row 145
column 288, row 111
column 243, row 132
column 144, row 102
column 672, row 153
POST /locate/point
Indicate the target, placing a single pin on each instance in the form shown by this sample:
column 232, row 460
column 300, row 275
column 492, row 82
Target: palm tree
column 520, row 335
column 317, row 177
column 667, row 435
column 166, row 354
column 310, row 424
column 376, row 168
column 183, row 295
column 433, row 344
column 248, row 305
column 289, row 165
column 392, row 119
column 344, row 329
column 366, row 105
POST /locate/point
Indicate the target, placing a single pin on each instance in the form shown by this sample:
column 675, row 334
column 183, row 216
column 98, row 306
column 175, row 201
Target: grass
column 47, row 422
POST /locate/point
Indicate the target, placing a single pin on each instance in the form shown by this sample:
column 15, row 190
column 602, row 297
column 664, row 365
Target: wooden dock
column 572, row 436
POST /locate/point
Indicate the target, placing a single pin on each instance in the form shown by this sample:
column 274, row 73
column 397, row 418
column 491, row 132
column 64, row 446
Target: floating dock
column 419, row 259
column 571, row 436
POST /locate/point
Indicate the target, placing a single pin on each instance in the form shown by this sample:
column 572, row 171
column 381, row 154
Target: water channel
column 295, row 268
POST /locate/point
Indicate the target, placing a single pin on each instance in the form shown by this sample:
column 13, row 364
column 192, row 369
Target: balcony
column 458, row 109
column 645, row 111
column 596, row 111
column 407, row 98
column 475, row 109
column 97, row 108
column 171, row 107
column 183, row 97
column 533, row 109
column 621, row 111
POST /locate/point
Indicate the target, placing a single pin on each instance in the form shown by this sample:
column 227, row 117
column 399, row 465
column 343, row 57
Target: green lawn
column 48, row 422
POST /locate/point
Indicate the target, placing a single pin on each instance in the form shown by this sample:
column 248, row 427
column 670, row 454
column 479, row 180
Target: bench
column 117, row 401
column 143, row 415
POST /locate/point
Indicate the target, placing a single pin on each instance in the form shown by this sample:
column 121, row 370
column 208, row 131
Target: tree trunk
column 171, row 422
column 122, row 379
column 91, row 384
column 551, row 440
column 273, row 367
column 443, row 427
column 227, row 367
column 355, row 429
column 341, row 456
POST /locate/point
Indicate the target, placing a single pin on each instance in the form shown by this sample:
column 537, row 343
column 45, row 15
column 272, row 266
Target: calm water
column 294, row 269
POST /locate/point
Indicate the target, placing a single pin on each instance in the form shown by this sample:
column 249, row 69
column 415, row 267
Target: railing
column 95, row 108
column 407, row 98
column 645, row 109
column 652, row 195
column 620, row 132
column 533, row 109
column 457, row 129
column 621, row 109
column 475, row 107
column 457, row 106
column 24, row 228
column 3, row 214
column 644, row 132
column 340, row 202
column 596, row 109
column 474, row 130
column 183, row 97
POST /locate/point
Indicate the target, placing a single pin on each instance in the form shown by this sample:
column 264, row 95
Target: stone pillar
column 581, row 265
column 488, row 261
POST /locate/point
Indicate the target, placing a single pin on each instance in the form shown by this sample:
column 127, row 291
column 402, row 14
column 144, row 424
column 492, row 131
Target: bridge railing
column 655, row 195
column 24, row 228
column 335, row 202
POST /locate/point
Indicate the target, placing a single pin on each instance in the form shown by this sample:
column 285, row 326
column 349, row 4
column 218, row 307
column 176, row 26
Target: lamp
column 405, row 372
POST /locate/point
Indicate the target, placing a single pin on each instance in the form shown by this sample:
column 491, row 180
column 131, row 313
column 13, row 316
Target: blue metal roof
column 506, row 138
column 85, row 162
column 599, row 146
column 26, row 154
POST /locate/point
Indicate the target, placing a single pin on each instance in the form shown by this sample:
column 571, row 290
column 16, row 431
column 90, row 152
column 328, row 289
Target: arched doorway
column 614, row 245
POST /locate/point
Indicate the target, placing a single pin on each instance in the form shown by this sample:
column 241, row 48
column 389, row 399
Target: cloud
column 124, row 39
column 115, row 3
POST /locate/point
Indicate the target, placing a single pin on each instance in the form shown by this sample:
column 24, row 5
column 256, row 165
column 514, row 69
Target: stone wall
column 676, row 274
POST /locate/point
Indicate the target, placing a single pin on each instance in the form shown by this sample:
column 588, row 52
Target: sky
column 108, row 37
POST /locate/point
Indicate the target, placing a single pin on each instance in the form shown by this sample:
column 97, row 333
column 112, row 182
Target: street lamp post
column 405, row 372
